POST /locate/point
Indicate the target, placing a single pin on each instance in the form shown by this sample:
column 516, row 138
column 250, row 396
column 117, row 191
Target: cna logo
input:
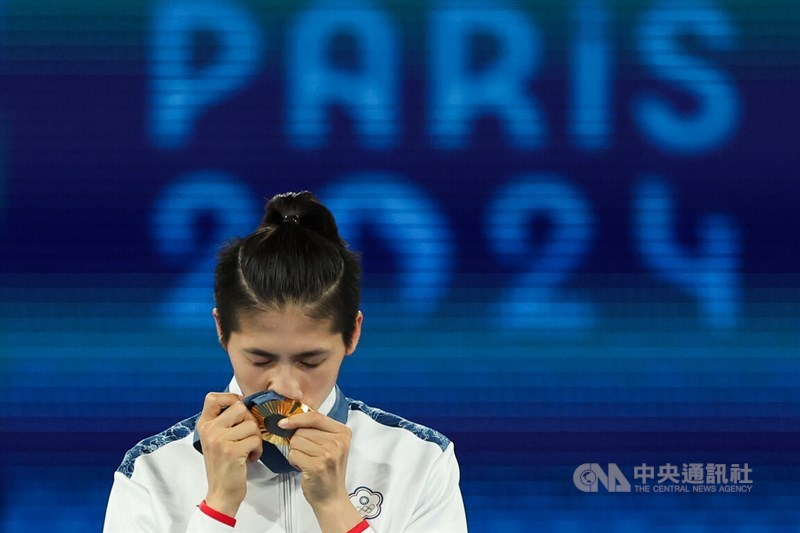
column 588, row 476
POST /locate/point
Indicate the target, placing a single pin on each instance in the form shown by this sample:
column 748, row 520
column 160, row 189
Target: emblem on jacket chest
column 367, row 502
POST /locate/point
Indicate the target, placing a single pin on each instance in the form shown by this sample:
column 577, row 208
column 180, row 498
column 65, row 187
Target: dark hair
column 294, row 257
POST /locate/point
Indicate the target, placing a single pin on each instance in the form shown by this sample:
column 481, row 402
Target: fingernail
column 283, row 422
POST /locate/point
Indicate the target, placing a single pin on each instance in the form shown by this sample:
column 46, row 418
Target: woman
column 287, row 313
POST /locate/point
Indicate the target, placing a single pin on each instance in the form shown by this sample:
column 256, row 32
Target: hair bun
column 305, row 210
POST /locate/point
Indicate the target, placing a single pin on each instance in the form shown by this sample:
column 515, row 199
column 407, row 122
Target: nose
column 285, row 382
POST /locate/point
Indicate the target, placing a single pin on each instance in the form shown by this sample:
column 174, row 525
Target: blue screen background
column 577, row 219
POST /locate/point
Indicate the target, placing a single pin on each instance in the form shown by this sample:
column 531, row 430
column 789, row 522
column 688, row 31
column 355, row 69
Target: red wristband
column 361, row 526
column 220, row 517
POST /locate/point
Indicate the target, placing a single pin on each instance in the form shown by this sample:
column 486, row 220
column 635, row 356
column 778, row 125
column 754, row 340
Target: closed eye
column 301, row 363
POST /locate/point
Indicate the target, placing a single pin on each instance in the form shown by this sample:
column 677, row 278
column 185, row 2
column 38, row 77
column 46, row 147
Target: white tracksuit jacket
column 402, row 477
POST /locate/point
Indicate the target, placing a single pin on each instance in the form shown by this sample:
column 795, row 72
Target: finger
column 256, row 445
column 314, row 420
column 246, row 428
column 315, row 435
column 308, row 447
column 216, row 402
column 248, row 449
column 300, row 460
column 233, row 415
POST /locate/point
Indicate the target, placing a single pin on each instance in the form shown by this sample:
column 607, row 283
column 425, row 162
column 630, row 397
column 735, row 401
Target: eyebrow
column 302, row 355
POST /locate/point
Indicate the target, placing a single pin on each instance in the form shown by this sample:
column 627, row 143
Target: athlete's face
column 288, row 352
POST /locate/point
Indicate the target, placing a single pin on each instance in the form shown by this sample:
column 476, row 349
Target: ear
column 215, row 314
column 356, row 334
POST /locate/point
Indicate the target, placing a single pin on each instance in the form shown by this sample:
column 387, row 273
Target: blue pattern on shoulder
column 388, row 419
column 151, row 444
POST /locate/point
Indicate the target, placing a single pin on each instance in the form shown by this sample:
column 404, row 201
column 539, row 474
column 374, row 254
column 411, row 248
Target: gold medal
column 268, row 413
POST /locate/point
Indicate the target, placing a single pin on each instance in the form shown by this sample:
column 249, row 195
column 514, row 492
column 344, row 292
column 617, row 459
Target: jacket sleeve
column 440, row 506
column 130, row 509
